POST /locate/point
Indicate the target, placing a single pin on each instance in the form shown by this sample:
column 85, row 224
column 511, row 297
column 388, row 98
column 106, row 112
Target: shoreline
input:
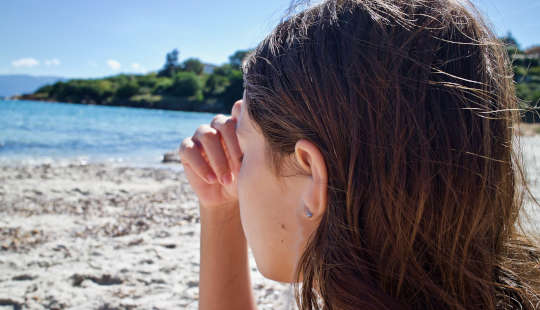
column 167, row 104
column 82, row 161
column 96, row 236
column 167, row 160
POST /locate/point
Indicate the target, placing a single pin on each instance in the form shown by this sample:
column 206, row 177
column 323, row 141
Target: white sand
column 102, row 237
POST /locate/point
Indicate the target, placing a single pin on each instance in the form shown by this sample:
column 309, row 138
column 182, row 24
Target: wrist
column 223, row 225
column 219, row 208
column 220, row 214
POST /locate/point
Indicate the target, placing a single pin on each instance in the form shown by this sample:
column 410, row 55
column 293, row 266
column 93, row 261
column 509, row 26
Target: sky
column 87, row 39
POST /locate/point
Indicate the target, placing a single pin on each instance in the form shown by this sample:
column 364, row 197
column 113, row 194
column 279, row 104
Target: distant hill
column 18, row 84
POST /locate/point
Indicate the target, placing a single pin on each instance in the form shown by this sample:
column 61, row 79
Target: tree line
column 188, row 86
column 194, row 86
column 526, row 67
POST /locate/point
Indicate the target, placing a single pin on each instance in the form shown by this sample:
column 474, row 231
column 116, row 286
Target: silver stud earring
column 308, row 213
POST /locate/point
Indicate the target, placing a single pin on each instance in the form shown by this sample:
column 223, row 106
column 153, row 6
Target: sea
column 34, row 132
column 51, row 132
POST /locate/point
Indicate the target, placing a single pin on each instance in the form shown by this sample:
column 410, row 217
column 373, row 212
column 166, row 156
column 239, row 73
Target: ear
column 315, row 190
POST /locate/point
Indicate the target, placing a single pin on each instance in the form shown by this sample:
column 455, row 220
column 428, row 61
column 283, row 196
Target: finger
column 197, row 184
column 191, row 156
column 210, row 141
column 226, row 126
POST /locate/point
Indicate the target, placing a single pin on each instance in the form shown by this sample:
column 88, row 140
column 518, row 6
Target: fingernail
column 211, row 178
column 226, row 179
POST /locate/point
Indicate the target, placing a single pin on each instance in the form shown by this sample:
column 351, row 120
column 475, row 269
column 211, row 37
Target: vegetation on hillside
column 194, row 86
column 526, row 65
column 186, row 86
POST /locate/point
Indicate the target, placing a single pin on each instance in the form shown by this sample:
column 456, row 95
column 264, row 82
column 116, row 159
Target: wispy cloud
column 25, row 62
column 136, row 67
column 52, row 62
column 114, row 64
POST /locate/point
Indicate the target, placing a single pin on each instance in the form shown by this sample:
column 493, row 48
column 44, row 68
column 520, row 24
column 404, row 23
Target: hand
column 212, row 160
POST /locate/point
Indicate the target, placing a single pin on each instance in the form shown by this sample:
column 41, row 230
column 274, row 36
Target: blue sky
column 103, row 37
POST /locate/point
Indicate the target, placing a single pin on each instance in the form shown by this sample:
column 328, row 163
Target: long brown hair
column 412, row 105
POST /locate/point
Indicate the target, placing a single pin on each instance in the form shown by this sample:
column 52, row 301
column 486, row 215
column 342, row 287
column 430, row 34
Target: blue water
column 38, row 132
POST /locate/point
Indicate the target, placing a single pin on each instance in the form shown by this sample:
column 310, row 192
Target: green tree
column 148, row 80
column 509, row 40
column 45, row 90
column 193, row 65
column 127, row 90
column 215, row 85
column 238, row 57
column 233, row 91
column 225, row 70
column 186, row 84
column 171, row 64
column 162, row 85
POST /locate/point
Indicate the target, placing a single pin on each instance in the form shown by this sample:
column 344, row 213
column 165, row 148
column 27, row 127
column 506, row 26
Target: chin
column 275, row 271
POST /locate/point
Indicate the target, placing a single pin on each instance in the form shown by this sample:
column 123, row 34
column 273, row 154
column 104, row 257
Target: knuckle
column 218, row 120
column 186, row 143
column 230, row 124
column 207, row 137
column 201, row 129
column 219, row 117
column 205, row 133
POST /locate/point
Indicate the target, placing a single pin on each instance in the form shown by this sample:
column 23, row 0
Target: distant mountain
column 18, row 84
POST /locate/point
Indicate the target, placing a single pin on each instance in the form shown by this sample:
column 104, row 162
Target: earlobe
column 311, row 161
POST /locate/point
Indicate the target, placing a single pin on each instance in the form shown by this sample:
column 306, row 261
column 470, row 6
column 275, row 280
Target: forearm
column 224, row 271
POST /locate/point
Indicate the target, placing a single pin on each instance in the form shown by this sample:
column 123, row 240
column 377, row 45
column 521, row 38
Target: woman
column 371, row 161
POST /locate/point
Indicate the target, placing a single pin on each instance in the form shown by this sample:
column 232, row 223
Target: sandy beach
column 95, row 236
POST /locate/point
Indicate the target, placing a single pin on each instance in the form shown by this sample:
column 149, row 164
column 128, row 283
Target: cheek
column 251, row 198
column 267, row 219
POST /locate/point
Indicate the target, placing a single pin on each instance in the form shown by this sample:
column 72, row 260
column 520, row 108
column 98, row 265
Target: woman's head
column 393, row 121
